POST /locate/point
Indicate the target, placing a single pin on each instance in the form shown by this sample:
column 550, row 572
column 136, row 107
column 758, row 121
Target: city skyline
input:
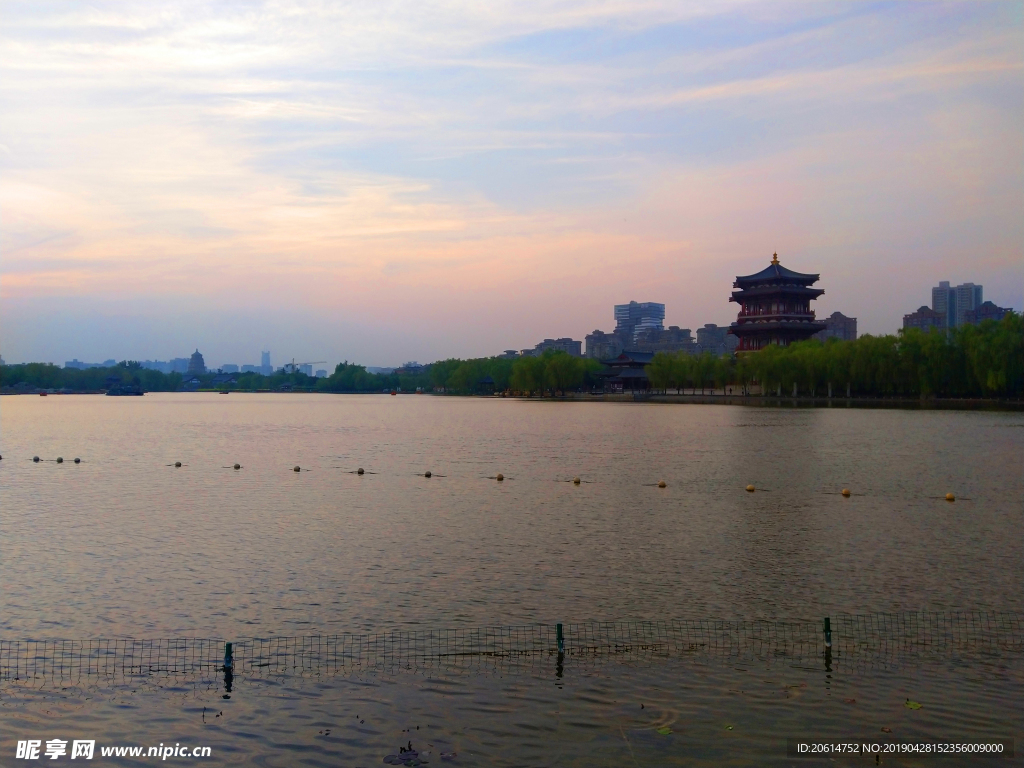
column 626, row 317
column 381, row 185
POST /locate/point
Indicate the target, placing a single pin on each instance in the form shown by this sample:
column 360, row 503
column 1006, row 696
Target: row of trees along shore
column 972, row 361
column 553, row 372
column 985, row 360
column 48, row 376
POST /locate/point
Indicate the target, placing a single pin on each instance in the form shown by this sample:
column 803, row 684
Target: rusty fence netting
column 842, row 640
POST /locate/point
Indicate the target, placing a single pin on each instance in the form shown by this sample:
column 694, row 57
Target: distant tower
column 775, row 307
column 632, row 318
column 265, row 367
column 196, row 364
column 944, row 302
column 955, row 302
column 968, row 299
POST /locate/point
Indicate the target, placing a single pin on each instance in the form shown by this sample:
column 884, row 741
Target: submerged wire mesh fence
column 874, row 639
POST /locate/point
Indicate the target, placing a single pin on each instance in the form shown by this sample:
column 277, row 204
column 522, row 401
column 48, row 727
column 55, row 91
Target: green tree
column 562, row 371
column 661, row 370
column 528, row 374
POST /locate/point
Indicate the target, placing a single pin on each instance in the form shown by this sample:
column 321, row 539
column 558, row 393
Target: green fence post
column 560, row 638
column 228, row 656
column 828, row 632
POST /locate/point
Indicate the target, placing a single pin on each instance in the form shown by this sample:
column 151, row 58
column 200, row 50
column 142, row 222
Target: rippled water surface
column 124, row 544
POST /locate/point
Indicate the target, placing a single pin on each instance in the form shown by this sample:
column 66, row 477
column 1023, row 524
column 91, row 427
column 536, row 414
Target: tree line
column 125, row 373
column 984, row 360
column 552, row 372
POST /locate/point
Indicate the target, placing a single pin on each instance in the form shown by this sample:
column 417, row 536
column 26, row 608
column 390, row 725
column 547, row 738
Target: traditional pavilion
column 775, row 307
column 626, row 372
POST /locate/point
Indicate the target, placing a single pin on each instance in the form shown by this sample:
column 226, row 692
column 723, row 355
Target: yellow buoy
column 296, row 468
column 661, row 483
column 950, row 497
column 750, row 488
column 177, row 463
column 845, row 491
column 360, row 471
column 500, row 477
column 238, row 466
column 576, row 481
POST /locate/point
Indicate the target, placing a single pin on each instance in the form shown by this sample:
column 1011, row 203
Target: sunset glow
column 379, row 182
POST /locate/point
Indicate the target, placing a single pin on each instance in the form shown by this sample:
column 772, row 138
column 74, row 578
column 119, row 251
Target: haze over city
column 418, row 181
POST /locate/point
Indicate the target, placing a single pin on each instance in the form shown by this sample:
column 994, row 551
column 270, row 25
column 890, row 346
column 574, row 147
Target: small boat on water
column 42, row 394
column 225, row 392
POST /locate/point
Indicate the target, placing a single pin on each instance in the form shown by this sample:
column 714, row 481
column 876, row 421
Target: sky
column 391, row 181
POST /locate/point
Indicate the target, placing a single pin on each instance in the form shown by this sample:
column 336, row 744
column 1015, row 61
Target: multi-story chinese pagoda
column 775, row 307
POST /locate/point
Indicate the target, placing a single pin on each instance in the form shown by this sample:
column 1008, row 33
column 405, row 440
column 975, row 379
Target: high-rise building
column 196, row 364
column 636, row 316
column 179, row 364
column 265, row 367
column 321, row 373
column 305, row 368
column 968, row 299
column 838, row 326
column 954, row 303
column 944, row 302
column 229, row 368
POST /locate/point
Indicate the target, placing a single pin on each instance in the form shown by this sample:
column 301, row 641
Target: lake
column 126, row 545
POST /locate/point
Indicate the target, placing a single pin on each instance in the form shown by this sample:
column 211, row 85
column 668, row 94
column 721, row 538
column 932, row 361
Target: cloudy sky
column 383, row 181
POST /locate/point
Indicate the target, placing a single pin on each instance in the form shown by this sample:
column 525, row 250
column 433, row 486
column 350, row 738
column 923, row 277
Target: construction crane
column 293, row 367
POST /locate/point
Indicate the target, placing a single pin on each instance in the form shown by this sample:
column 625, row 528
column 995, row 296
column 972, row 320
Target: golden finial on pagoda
column 775, row 258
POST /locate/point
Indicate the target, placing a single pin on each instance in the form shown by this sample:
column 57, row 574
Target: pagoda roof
column 775, row 272
column 773, row 290
column 623, row 373
column 631, row 357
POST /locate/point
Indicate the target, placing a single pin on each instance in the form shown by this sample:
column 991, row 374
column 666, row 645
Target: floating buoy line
column 845, row 492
